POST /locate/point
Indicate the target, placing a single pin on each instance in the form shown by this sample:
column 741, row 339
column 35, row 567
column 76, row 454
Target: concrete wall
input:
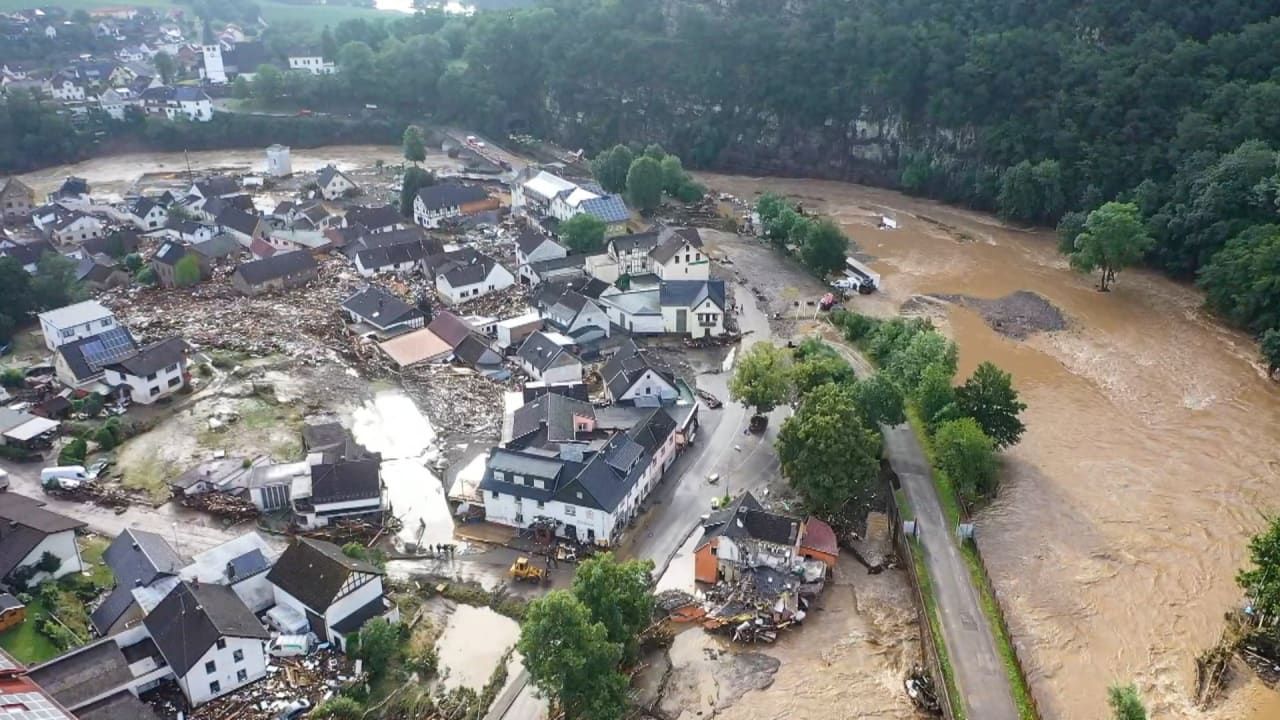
column 226, row 669
column 146, row 390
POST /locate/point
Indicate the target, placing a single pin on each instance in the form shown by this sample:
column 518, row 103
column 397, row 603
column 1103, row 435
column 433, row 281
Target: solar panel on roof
column 111, row 346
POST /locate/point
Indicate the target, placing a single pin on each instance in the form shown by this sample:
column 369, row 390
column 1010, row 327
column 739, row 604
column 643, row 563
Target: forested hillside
column 1031, row 109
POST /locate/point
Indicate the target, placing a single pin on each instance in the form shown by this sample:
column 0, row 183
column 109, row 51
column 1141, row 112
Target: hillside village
column 556, row 383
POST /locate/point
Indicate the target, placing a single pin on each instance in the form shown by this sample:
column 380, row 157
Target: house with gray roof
column 549, row 357
column 28, row 532
column 579, row 317
column 75, row 322
column 437, row 204
column 374, row 220
column 278, row 272
column 334, row 183
column 679, row 256
column 466, row 274
column 83, row 362
column 319, row 589
column 631, row 376
column 693, row 307
column 137, row 559
column 154, row 372
column 373, row 311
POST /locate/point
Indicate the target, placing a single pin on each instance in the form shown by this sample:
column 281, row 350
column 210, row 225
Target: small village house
column 579, row 317
column 99, row 272
column 12, row 612
column 334, row 184
column 81, row 364
column 465, row 274
column 73, row 226
column 679, row 256
column 167, row 257
column 29, row 532
column 631, row 376
column 318, row 588
column 279, row 272
column 548, row 357
column 435, row 204
column 146, row 214
column 375, row 220
column 75, row 322
column 138, row 559
column 374, row 311
column 744, row 535
column 531, row 247
column 16, row 200
column 154, row 372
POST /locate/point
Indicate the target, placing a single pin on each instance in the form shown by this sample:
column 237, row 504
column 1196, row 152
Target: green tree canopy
column 673, row 175
column 165, row 67
column 935, row 397
column 379, row 640
column 1125, row 703
column 610, row 168
column 827, row 453
column 968, row 457
column 1242, row 282
column 879, row 401
column 415, row 178
column 617, row 594
column 644, row 183
column 583, row 233
column 187, row 271
column 823, row 248
column 1114, row 237
column 73, row 452
column 1269, row 345
column 570, row 659
column 988, row 397
column 415, row 149
column 1261, row 581
column 762, row 379
column 819, row 369
column 267, row 82
column 15, row 296
column 55, row 284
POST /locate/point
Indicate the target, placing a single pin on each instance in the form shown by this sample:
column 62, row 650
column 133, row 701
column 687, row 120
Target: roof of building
column 353, row 622
column 529, row 240
column 141, row 206
column 450, row 328
column 275, row 267
column 170, row 252
column 447, row 195
column 375, row 218
column 137, row 555
column 328, row 173
column 475, row 351
column 233, row 217
column 96, row 268
column 380, row 308
column 24, row 700
column 9, row 602
column 384, row 256
column 25, row 525
column 691, row 293
column 627, row 366
column 80, row 675
column 817, row 535
column 414, row 347
column 112, row 608
column 219, row 246
column 217, row 185
column 232, row 561
column 194, row 616
column 314, row 572
column 86, row 357
column 77, row 314
column 608, row 208
column 542, row 352
column 653, row 430
column 541, row 267
column 346, row 480
column 461, row 267
column 120, row 705
column 28, row 253
column 152, row 358
column 547, row 185
column 549, row 419
column 71, row 217
column 745, row 517
column 645, row 241
column 670, row 241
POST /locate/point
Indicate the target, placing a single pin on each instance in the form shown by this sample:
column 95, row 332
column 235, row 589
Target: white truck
column 868, row 280
column 64, row 477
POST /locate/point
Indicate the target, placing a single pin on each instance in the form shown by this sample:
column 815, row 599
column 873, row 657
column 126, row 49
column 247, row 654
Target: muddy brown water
column 1150, row 455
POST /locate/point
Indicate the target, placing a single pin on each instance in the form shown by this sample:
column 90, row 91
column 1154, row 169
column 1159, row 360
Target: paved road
column 980, row 674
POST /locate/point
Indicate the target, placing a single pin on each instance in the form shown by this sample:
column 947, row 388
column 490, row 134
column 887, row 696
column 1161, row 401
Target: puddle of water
column 471, row 645
column 392, row 425
column 679, row 572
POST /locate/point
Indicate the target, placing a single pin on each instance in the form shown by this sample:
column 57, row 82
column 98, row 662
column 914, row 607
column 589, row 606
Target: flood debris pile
column 222, row 504
column 458, row 400
column 1018, row 315
column 754, row 606
column 292, row 684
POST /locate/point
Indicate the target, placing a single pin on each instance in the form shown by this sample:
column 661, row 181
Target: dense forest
column 1040, row 111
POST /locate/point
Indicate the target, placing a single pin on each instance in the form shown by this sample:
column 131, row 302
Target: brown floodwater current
column 1150, row 455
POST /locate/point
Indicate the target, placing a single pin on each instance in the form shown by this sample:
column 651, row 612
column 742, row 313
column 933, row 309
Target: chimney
column 135, row 545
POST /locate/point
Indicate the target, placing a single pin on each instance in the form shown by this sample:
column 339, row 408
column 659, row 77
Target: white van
column 4, row 481
column 59, row 476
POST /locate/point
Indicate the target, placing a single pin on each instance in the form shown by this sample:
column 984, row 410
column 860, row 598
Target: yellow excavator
column 522, row 569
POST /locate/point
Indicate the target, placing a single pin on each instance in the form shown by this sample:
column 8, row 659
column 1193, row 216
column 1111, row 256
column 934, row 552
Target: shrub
column 968, row 457
column 73, row 452
column 339, row 708
column 105, row 438
column 12, row 378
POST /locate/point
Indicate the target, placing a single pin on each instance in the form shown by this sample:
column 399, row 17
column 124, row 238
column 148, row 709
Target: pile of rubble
column 223, row 505
column 509, row 303
column 753, row 608
column 288, row 683
column 458, row 400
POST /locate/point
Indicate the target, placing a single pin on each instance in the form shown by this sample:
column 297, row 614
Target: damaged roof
column 746, row 518
column 345, row 480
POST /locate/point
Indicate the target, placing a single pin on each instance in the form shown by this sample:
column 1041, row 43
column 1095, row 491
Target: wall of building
column 347, row 604
column 677, row 269
column 63, row 545
column 650, row 385
column 146, row 390
column 226, row 670
column 55, row 338
column 505, row 508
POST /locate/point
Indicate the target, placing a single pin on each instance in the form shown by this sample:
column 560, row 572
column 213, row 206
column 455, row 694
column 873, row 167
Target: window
column 242, row 675
column 579, row 494
column 210, row 668
column 175, row 382
column 106, row 323
column 152, row 376
column 68, row 333
column 222, row 644
column 215, row 687
column 590, row 513
column 517, row 479
column 648, row 390
column 539, row 484
column 238, row 655
column 495, row 494
column 497, row 475
column 155, row 391
column 541, row 504
column 172, row 368
column 570, row 510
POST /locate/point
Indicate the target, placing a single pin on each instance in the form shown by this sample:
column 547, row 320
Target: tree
column 378, row 642
column 935, row 398
column 340, row 707
column 967, row 456
column 819, row 369
column 989, row 398
column 879, row 401
column 1242, row 281
column 1269, row 344
column 55, row 284
column 267, row 83
column 1125, row 703
column 415, row 178
column 48, row 563
column 328, row 46
column 1114, row 237
column 827, row 453
column 1261, row 582
column 655, row 151
column 146, row 276
column 15, row 296
column 906, row 363
column 762, row 378
column 610, row 168
column 105, row 438
column 583, row 233
column 166, row 68
column 133, row 262
column 240, row 88
column 673, row 174
column 617, row 594
column 570, row 659
column 187, row 271
column 644, row 183
column 415, row 150
column 73, row 452
column 823, row 248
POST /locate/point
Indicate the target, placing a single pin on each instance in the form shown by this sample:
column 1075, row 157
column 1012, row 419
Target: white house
column 631, row 252
column 466, row 274
column 314, row 64
column 532, row 246
column 64, row 88
column 548, row 357
column 114, row 102
column 333, row 183
column 82, row 363
column 73, row 226
column 632, row 377
column 241, row 564
column 693, row 307
column 211, row 641
column 28, row 531
column 213, row 68
column 278, row 161
column 437, row 203
column 578, row 316
column 374, row 311
column 146, row 214
column 637, row 311
column 543, row 194
column 318, row 588
column 348, row 488
column 75, row 322
column 154, row 372
column 679, row 256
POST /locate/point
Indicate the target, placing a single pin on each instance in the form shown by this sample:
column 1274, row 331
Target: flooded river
column 1149, row 459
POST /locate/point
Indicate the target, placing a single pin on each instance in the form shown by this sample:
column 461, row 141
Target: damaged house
column 375, row 312
column 139, row 560
column 744, row 535
column 279, row 272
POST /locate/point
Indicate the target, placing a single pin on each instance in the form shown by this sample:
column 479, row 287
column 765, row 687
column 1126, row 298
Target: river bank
column 1148, row 461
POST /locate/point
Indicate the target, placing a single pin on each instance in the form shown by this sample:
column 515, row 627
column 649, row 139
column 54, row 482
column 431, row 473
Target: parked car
column 294, row 709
